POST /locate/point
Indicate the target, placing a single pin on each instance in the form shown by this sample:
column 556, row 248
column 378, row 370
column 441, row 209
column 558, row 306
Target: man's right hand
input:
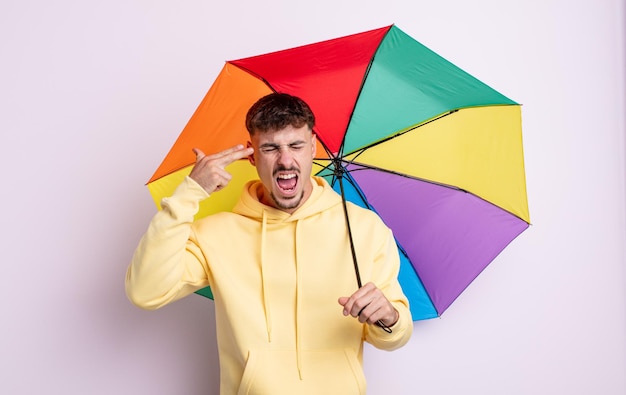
column 209, row 171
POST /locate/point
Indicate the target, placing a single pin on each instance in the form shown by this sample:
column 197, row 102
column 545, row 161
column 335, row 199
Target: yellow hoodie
column 276, row 279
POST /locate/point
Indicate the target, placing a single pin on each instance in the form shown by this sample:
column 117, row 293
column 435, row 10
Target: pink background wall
column 93, row 94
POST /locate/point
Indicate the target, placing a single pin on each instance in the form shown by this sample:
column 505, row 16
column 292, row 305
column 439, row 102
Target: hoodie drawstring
column 266, row 304
column 266, row 307
column 298, row 302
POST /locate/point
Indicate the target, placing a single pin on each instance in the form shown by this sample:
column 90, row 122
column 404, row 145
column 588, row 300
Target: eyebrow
column 274, row 145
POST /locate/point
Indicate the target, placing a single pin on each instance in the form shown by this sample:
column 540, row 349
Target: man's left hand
column 369, row 304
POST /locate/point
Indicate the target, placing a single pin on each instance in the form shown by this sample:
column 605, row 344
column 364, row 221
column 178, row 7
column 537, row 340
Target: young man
column 289, row 317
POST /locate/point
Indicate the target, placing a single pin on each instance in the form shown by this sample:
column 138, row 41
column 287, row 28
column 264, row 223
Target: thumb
column 343, row 300
column 199, row 153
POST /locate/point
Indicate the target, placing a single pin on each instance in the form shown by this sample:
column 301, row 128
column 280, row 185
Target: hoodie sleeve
column 168, row 264
column 385, row 276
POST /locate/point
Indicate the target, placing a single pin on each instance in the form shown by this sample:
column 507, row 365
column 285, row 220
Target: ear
column 251, row 156
column 313, row 145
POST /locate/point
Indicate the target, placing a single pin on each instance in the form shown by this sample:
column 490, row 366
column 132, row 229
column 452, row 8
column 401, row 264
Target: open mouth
column 287, row 182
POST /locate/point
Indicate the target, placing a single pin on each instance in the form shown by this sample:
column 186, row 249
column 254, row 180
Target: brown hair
column 276, row 111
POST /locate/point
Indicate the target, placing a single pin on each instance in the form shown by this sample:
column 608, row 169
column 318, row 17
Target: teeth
column 286, row 176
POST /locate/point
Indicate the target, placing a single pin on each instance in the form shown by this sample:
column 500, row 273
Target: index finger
column 232, row 154
column 364, row 290
column 361, row 297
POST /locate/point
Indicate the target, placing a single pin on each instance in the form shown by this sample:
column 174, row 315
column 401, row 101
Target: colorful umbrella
column 434, row 151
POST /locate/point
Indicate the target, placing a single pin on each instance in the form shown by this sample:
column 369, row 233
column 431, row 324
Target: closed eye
column 296, row 146
column 273, row 148
column 268, row 149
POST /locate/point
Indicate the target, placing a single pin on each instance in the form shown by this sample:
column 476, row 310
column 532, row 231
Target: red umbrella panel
column 434, row 151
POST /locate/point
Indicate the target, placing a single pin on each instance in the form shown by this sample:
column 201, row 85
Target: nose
column 285, row 156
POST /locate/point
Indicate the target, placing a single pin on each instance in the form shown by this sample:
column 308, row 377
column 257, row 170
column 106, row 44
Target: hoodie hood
column 322, row 198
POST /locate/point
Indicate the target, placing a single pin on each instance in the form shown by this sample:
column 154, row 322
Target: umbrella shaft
column 345, row 211
column 354, row 260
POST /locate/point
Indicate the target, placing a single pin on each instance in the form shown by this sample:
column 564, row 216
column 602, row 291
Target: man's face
column 283, row 160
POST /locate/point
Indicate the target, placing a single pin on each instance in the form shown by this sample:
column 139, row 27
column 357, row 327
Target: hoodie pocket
column 331, row 372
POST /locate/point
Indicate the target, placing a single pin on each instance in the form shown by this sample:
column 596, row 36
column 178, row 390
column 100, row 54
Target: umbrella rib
column 367, row 71
column 331, row 159
column 393, row 136
column 328, row 152
column 247, row 70
column 363, row 166
column 358, row 191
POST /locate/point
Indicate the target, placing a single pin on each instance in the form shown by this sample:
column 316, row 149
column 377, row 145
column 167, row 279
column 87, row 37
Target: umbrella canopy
column 434, row 151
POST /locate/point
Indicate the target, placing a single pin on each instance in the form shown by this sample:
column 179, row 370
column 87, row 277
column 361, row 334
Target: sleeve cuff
column 185, row 201
column 193, row 188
